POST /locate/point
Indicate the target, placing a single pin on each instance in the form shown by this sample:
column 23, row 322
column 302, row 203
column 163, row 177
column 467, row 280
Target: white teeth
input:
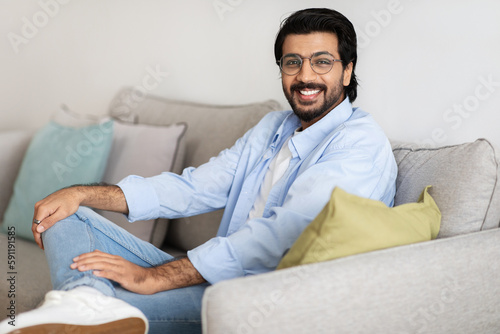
column 309, row 92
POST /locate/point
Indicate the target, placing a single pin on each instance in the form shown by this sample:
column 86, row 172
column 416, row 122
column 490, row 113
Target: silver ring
column 36, row 221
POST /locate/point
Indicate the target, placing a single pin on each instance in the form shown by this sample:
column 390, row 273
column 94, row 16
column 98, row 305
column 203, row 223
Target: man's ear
column 347, row 74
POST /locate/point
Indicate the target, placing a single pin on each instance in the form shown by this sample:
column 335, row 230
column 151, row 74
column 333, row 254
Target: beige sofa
column 449, row 285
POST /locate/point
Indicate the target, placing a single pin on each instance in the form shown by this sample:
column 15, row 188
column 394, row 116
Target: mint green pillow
column 57, row 157
column 350, row 224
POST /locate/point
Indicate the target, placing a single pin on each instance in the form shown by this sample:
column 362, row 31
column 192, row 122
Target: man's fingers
column 53, row 208
column 95, row 265
column 114, row 267
column 38, row 239
column 103, row 266
column 97, row 260
column 36, row 234
column 46, row 222
column 108, row 266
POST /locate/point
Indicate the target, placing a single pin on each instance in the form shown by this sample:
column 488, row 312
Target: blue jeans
column 174, row 311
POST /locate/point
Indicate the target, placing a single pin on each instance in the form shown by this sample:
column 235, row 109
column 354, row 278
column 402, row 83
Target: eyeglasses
column 321, row 63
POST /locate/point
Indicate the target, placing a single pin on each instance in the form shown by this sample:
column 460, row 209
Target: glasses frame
column 280, row 62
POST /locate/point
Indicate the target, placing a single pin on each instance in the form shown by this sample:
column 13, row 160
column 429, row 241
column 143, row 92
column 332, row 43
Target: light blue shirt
column 346, row 149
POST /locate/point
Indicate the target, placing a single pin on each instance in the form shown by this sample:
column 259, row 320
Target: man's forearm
column 102, row 196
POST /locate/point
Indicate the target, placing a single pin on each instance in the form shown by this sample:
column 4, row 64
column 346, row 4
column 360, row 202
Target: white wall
column 424, row 66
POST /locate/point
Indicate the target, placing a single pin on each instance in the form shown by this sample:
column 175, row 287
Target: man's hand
column 65, row 202
column 53, row 208
column 172, row 275
column 130, row 276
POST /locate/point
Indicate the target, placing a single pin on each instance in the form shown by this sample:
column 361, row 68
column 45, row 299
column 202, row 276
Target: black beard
column 331, row 99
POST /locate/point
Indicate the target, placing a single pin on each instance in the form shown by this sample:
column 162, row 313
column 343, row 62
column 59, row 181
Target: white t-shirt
column 275, row 172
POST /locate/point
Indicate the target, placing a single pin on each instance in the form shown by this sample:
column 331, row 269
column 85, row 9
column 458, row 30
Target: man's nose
column 306, row 73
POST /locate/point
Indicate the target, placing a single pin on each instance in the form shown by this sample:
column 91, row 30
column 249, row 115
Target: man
column 274, row 181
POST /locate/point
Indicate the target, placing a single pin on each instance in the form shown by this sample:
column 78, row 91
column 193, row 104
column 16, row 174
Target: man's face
column 312, row 95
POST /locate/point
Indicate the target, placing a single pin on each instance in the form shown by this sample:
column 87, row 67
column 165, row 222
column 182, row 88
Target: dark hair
column 311, row 20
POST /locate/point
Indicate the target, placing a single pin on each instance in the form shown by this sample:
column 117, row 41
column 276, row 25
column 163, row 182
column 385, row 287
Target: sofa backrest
column 211, row 128
column 464, row 181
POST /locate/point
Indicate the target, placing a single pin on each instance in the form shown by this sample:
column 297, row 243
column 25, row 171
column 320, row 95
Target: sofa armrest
column 442, row 286
column 13, row 145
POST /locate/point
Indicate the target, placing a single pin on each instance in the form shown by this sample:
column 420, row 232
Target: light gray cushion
column 144, row 150
column 212, row 128
column 464, row 183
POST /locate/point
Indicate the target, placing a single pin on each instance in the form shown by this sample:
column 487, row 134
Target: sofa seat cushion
column 464, row 183
column 30, row 272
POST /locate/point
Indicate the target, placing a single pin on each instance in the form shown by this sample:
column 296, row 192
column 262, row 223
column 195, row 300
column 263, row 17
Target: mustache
column 302, row 85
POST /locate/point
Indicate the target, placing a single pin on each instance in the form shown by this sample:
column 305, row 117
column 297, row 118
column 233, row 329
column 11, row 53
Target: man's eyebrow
column 318, row 53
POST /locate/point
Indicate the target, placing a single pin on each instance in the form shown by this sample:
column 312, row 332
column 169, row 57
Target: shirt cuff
column 216, row 260
column 142, row 201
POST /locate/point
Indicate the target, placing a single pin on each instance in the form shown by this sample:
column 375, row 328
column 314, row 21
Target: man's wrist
column 80, row 193
column 83, row 193
column 173, row 275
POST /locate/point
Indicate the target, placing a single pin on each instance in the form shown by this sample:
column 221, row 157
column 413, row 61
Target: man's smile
column 307, row 92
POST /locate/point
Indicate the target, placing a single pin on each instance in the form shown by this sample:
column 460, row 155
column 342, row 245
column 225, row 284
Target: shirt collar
column 308, row 139
column 286, row 129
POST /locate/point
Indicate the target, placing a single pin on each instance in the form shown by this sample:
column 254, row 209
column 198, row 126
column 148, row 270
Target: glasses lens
column 322, row 63
column 291, row 64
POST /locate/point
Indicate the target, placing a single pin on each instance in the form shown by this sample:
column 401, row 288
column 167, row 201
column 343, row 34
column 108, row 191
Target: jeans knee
column 83, row 213
column 61, row 227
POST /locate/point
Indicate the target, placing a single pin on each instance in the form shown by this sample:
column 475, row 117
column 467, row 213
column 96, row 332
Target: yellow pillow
column 350, row 224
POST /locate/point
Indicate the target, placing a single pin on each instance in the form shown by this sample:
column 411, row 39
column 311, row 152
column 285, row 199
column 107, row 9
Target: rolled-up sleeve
column 195, row 191
column 141, row 197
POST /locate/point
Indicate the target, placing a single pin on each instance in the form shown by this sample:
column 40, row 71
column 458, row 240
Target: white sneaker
column 79, row 311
